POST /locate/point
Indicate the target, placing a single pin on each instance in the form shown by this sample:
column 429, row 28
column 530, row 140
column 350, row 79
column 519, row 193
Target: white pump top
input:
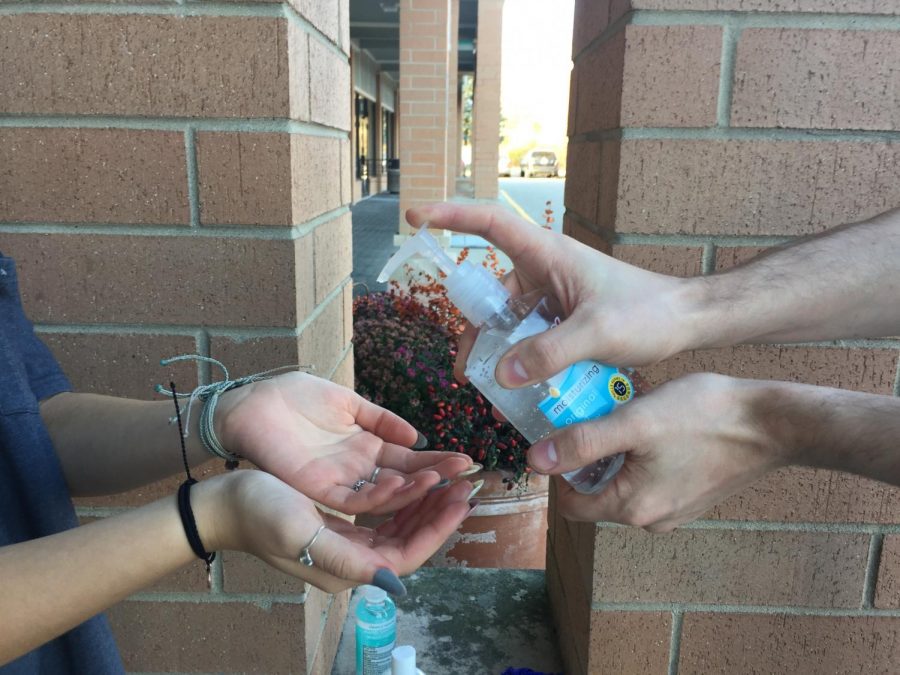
column 403, row 661
column 476, row 292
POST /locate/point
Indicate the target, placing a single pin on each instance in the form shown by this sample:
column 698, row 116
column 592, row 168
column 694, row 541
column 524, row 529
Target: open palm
column 321, row 438
column 274, row 523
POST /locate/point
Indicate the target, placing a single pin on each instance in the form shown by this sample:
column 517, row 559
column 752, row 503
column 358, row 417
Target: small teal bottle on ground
column 376, row 631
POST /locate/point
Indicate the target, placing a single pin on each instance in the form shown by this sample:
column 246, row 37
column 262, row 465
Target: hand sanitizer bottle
column 583, row 391
column 376, row 632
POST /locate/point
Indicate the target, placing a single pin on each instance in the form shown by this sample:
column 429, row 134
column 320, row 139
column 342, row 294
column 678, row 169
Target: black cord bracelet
column 184, row 502
column 190, row 525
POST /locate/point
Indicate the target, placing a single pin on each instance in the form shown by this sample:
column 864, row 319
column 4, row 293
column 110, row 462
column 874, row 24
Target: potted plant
column 405, row 346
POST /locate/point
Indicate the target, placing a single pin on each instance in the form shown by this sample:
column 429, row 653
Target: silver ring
column 358, row 485
column 305, row 557
column 374, row 475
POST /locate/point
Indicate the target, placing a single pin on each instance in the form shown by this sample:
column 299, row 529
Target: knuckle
column 338, row 566
column 544, row 355
column 580, row 443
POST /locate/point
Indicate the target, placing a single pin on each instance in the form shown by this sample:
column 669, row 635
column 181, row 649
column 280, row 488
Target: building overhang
column 375, row 29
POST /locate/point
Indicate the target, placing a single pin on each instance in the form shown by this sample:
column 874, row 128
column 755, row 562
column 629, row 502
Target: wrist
column 211, row 503
column 226, row 430
column 780, row 413
column 696, row 324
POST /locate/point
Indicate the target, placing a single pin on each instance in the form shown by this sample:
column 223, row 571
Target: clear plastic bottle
column 583, row 391
column 376, row 631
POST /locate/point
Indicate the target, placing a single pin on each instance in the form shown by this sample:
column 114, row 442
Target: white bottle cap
column 403, row 660
column 374, row 594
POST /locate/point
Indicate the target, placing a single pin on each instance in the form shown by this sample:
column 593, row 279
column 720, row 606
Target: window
column 364, row 141
column 387, row 135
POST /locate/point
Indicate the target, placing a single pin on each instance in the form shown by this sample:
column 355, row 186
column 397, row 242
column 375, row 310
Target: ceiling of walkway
column 375, row 27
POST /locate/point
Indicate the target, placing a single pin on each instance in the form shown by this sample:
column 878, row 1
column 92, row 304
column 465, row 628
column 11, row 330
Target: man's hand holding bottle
column 693, row 441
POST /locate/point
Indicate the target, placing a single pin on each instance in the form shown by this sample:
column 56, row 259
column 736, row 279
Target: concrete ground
column 374, row 226
column 465, row 621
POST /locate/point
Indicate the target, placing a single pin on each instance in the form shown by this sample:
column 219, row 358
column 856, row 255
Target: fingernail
column 472, row 504
column 512, row 372
column 388, row 581
column 478, row 485
column 405, row 487
column 543, row 456
column 421, row 442
column 471, row 471
column 444, row 483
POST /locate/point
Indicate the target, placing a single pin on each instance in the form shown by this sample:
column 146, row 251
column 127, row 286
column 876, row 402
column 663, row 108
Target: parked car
column 539, row 163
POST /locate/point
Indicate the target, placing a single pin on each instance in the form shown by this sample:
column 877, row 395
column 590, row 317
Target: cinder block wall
column 176, row 178
column 702, row 132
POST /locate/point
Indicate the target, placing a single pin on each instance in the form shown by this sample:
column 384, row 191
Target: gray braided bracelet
column 208, row 394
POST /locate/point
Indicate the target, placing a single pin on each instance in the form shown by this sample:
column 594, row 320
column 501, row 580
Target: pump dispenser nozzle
column 474, row 290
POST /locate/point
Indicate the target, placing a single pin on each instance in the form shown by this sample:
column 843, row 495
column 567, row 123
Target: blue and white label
column 584, row 391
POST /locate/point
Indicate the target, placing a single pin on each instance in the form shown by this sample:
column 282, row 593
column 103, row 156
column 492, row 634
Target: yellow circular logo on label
column 620, row 388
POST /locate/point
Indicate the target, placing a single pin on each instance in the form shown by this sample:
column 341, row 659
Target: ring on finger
column 305, row 556
column 358, row 485
column 374, row 475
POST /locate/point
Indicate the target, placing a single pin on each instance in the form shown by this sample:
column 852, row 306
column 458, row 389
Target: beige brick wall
column 177, row 179
column 454, row 134
column 423, row 103
column 695, row 142
column 486, row 112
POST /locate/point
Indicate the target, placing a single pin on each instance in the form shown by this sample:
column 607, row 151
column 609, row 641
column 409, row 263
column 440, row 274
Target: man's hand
column 696, row 440
column 321, row 438
column 617, row 313
column 690, row 444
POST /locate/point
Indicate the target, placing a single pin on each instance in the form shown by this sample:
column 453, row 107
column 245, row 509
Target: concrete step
column 465, row 621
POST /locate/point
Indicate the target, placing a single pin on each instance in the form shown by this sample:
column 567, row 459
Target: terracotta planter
column 508, row 529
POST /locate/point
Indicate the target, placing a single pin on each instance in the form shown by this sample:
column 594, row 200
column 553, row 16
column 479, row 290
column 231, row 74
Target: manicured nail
column 444, row 483
column 389, row 581
column 511, row 371
column 421, row 442
column 405, row 487
column 543, row 457
column 478, row 485
column 472, row 504
column 471, row 471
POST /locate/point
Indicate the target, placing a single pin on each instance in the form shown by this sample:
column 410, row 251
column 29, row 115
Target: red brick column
column 486, row 113
column 423, row 102
column 697, row 140
column 177, row 179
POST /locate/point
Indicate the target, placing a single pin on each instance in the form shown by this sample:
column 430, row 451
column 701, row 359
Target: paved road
column 529, row 195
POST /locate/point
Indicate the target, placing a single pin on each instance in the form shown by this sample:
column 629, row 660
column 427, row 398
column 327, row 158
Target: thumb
column 344, row 559
column 582, row 444
column 544, row 355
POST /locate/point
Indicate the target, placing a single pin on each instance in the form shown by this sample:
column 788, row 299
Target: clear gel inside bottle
column 583, row 391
